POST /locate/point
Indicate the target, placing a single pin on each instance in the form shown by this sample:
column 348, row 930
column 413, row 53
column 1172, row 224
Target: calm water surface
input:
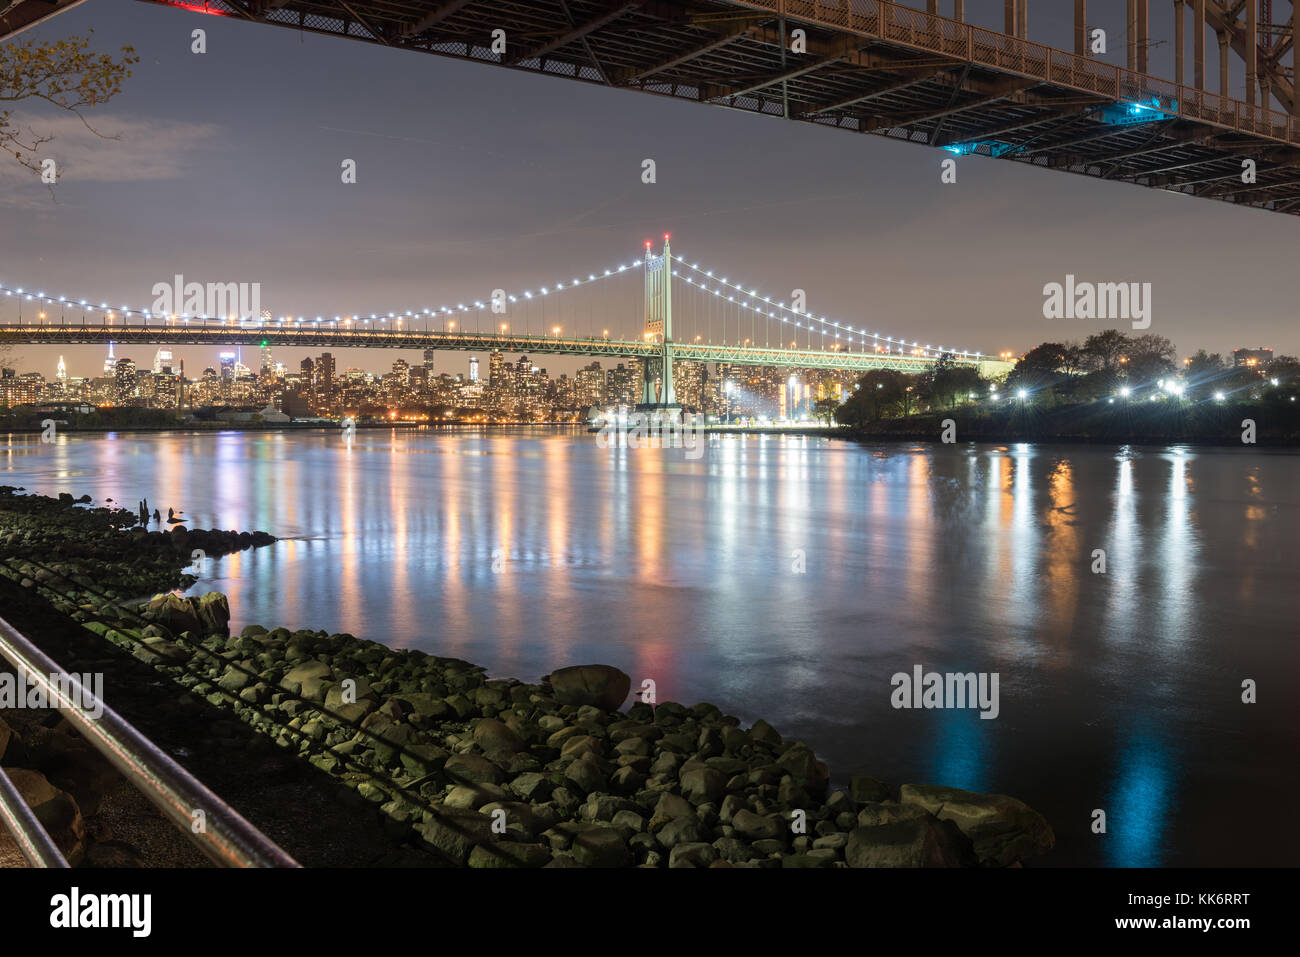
column 528, row 550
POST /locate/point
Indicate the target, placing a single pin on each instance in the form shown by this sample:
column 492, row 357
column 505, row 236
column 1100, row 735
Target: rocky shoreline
column 491, row 772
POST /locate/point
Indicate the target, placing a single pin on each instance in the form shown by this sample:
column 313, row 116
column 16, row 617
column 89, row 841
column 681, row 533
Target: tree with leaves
column 1204, row 374
column 1105, row 351
column 878, row 393
column 62, row 73
column 1042, row 370
column 824, row 410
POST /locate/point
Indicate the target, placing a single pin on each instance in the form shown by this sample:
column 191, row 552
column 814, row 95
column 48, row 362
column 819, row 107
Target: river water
column 790, row 577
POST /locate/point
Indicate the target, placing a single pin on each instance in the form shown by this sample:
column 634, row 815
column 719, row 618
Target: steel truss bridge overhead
column 871, row 66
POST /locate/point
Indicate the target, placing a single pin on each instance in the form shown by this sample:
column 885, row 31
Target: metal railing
column 908, row 26
column 329, row 335
column 33, row 840
column 225, row 837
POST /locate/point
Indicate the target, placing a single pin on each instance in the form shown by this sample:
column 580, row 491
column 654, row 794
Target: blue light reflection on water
column 1140, row 802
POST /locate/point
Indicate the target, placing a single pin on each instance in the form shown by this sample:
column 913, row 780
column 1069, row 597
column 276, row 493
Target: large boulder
column 801, row 764
column 1002, row 830
column 214, row 613
column 756, row 827
column 454, row 832
column 176, row 613
column 493, row 735
column 919, row 842
column 602, row 686
column 599, row 846
column 473, row 769
column 307, row 678
column 703, row 785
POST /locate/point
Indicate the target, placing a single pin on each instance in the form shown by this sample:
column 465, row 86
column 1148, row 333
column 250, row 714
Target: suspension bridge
column 658, row 309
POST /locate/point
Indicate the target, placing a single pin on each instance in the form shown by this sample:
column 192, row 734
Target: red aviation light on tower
column 666, row 237
column 647, row 244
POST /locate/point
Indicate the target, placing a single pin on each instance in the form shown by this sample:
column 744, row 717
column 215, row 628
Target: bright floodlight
column 1125, row 391
column 1021, row 393
column 1218, row 397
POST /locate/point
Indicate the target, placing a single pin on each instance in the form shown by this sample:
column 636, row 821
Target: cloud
column 138, row 151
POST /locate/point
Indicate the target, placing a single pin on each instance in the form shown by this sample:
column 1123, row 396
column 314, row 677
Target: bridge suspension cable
column 522, row 297
column 749, row 299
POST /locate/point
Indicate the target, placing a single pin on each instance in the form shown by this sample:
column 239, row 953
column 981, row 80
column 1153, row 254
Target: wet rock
column 599, row 685
column 176, row 613
column 585, row 775
column 509, row 854
column 757, row 827
column 473, row 769
column 864, row 790
column 695, row 854
column 919, row 842
column 682, row 830
column 764, row 732
column 872, row 814
column 670, row 807
column 493, row 735
column 213, row 611
column 1002, row 830
column 702, row 785
column 601, row 847
column 307, row 679
column 454, row 832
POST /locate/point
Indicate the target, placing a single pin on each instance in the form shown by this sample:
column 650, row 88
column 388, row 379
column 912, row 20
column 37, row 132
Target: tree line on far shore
column 1104, row 367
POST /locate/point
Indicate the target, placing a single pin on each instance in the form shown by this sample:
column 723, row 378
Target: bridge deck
column 215, row 335
column 869, row 67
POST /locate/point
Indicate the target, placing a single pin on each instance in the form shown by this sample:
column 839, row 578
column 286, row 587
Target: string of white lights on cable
column 779, row 310
column 147, row 314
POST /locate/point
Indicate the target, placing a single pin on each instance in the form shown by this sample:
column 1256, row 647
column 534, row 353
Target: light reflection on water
column 527, row 550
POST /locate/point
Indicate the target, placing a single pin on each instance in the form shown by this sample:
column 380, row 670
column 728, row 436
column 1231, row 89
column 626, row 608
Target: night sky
column 472, row 177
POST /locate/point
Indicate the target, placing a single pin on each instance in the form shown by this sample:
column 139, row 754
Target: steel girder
column 316, row 338
column 869, row 66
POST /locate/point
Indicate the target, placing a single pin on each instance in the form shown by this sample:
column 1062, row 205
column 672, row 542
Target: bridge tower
column 657, row 388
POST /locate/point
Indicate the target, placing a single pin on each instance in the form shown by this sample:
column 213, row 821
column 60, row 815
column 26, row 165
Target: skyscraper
column 590, row 385
column 125, row 380
column 325, row 371
column 473, row 368
column 110, row 363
